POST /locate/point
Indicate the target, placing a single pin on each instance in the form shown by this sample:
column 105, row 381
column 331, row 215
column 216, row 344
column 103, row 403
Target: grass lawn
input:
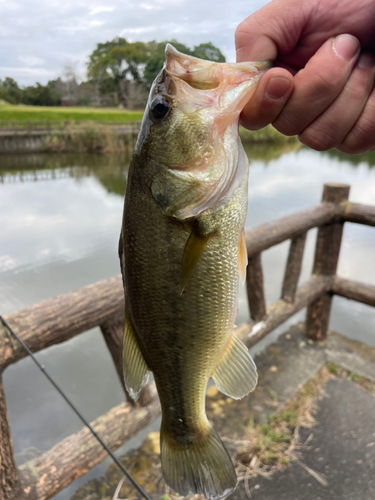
column 37, row 113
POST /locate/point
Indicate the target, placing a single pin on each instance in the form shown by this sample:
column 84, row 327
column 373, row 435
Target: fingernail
column 346, row 46
column 366, row 61
column 277, row 87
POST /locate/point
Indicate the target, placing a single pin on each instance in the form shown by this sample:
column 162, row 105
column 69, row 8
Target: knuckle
column 358, row 89
column 256, row 120
column 360, row 139
column 319, row 136
column 348, row 150
column 315, row 141
column 326, row 83
column 359, row 86
column 241, row 34
column 287, row 123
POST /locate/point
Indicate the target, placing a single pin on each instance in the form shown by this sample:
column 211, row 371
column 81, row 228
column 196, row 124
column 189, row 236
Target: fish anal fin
column 236, row 373
column 194, row 247
column 136, row 371
column 242, row 257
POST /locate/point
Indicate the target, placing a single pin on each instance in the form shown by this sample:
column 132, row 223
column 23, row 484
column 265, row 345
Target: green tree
column 40, row 95
column 208, row 51
column 112, row 64
column 156, row 59
column 10, row 91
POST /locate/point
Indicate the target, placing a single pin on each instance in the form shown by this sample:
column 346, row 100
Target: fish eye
column 159, row 108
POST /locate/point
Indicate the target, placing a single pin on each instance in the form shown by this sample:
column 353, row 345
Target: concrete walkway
column 338, row 461
column 341, row 446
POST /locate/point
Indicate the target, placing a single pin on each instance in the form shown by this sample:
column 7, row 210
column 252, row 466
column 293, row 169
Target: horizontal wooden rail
column 61, row 318
column 267, row 235
column 75, row 455
column 56, row 320
column 280, row 311
column 354, row 290
column 361, row 214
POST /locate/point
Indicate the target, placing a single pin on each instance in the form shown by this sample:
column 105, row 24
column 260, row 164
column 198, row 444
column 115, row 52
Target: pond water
column 60, row 217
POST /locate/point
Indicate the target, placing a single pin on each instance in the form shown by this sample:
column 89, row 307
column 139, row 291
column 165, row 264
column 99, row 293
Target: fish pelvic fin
column 236, row 374
column 136, row 371
column 202, row 466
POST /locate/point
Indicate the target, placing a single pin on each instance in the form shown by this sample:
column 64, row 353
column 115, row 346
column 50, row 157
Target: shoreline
column 94, row 137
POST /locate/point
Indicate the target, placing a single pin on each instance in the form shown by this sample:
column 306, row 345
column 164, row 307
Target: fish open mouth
column 230, row 85
column 208, row 75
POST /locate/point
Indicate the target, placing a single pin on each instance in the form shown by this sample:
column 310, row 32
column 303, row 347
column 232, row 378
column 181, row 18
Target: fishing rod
column 75, row 409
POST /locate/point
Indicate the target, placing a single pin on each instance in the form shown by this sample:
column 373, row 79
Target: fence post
column 293, row 268
column 112, row 331
column 255, row 288
column 8, row 469
column 326, row 259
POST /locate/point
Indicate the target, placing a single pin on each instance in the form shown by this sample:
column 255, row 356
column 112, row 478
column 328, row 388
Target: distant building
column 68, row 100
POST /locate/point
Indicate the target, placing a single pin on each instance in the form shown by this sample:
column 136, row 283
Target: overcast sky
column 39, row 37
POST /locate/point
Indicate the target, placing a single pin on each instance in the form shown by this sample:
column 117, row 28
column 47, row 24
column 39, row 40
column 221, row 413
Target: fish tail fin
column 202, row 467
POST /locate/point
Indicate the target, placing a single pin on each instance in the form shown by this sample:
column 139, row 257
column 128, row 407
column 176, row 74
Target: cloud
column 149, row 6
column 30, row 74
column 30, row 60
column 45, row 34
column 97, row 10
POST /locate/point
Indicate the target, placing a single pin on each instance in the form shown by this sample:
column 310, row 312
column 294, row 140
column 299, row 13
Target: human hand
column 322, row 88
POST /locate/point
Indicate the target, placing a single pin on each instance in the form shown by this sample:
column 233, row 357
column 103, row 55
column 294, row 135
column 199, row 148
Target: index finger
column 272, row 30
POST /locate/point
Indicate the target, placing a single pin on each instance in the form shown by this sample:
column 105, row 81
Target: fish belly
column 181, row 335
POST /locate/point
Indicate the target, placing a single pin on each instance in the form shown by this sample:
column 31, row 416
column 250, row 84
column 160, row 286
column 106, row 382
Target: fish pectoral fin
column 236, row 374
column 194, row 247
column 242, row 257
column 136, row 371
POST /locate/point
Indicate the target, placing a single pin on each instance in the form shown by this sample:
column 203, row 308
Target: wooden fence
column 102, row 304
column 32, row 127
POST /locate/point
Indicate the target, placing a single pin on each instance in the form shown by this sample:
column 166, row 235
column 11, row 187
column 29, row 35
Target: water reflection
column 366, row 158
column 110, row 170
column 60, row 217
column 268, row 152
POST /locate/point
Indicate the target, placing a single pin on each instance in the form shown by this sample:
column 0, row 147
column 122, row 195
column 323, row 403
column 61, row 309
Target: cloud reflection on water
column 60, row 234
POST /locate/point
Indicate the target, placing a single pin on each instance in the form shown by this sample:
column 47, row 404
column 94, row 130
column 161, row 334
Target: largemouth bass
column 182, row 251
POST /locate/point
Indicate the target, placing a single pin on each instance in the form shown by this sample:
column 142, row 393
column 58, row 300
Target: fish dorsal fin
column 136, row 371
column 194, row 247
column 236, row 373
column 242, row 257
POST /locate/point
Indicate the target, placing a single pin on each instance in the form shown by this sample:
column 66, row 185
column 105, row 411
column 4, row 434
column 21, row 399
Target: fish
column 182, row 252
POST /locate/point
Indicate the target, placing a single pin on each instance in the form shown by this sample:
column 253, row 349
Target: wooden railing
column 17, row 126
column 102, row 304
